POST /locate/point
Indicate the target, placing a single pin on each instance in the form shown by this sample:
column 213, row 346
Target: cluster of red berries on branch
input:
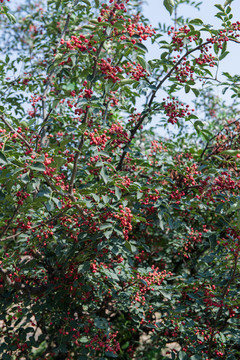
column 175, row 110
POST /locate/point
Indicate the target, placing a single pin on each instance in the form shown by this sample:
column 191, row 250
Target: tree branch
column 147, row 111
column 49, row 81
column 20, row 286
column 15, row 132
column 81, row 142
column 35, row 227
column 213, row 137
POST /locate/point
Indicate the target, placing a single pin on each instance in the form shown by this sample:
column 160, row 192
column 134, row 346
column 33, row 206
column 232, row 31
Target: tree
column 117, row 242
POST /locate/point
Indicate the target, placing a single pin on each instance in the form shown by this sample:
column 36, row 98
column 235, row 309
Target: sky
column 156, row 12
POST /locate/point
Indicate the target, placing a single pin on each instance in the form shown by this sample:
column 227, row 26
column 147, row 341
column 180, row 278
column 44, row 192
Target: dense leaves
column 117, row 242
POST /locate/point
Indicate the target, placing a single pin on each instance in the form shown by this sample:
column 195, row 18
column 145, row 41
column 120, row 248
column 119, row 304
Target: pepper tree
column 117, row 240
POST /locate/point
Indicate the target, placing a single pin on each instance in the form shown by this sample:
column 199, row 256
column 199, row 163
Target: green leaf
column 166, row 294
column 105, row 199
column 227, row 2
column 206, row 134
column 223, row 55
column 234, row 207
column 101, row 323
column 192, row 116
column 182, row 355
column 10, row 17
column 104, row 175
column 25, row 178
column 69, row 87
column 219, row 7
column 142, row 61
column 230, row 152
column 118, row 192
column 83, row 339
column 3, row 159
column 105, row 226
column 216, row 48
column 108, row 233
column 128, row 246
column 198, row 123
column 141, row 47
column 195, row 357
column 46, row 192
column 224, row 90
column 6, row 357
column 224, row 47
column 57, row 202
column 38, row 166
column 58, row 161
column 195, row 91
column 139, row 195
column 169, row 5
column 127, row 81
column 58, row 57
column 110, row 354
column 196, row 22
column 96, row 197
column 86, row 2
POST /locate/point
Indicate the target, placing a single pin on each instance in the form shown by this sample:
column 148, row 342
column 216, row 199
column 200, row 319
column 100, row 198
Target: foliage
column 117, row 242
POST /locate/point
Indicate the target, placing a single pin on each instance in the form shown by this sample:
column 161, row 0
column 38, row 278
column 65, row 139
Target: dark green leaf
column 3, row 159
column 169, row 5
column 104, row 175
column 38, row 166
column 223, row 55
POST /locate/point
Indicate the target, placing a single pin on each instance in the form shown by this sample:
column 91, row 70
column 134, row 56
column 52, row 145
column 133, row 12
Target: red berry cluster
column 179, row 37
column 232, row 241
column 132, row 27
column 224, row 182
column 135, row 29
column 102, row 341
column 193, row 238
column 184, row 72
column 175, row 110
column 204, row 59
column 110, row 71
column 22, row 196
column 114, row 11
column 120, row 135
column 137, row 73
column 81, row 43
column 34, row 100
column 97, row 139
column 125, row 218
column 149, row 282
